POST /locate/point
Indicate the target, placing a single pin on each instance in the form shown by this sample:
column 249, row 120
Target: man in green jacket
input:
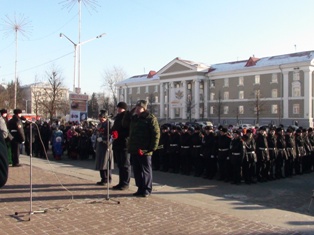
column 143, row 140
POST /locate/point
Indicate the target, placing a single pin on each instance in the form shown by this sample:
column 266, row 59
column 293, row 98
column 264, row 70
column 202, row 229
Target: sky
column 144, row 35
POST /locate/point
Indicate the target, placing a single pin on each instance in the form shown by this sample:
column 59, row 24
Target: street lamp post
column 78, row 45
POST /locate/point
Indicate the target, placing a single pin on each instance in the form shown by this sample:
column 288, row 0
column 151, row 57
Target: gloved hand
column 115, row 135
column 99, row 139
column 140, row 152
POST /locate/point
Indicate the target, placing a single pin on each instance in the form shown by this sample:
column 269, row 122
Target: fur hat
column 122, row 105
column 142, row 103
column 103, row 113
column 17, row 111
column 2, row 111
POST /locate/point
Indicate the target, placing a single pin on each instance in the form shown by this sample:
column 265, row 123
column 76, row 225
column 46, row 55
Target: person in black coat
column 119, row 147
column 15, row 127
column 4, row 165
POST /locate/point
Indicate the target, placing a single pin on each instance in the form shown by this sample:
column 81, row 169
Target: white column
column 205, row 88
column 184, row 100
column 125, row 95
column 308, row 95
column 285, row 82
column 171, row 94
column 162, row 101
column 197, row 98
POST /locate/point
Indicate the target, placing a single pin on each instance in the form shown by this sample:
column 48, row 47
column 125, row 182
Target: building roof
column 151, row 76
column 298, row 57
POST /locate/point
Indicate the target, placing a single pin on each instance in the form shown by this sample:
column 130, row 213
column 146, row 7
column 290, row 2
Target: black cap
column 17, row 111
column 122, row 105
column 224, row 129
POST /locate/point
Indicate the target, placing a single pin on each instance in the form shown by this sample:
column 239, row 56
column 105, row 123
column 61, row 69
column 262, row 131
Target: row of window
column 274, row 109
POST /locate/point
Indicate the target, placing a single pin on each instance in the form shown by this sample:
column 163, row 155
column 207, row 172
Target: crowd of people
column 135, row 138
column 235, row 155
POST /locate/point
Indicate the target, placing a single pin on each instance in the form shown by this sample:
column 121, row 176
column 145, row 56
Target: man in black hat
column 236, row 156
column 119, row 147
column 16, row 129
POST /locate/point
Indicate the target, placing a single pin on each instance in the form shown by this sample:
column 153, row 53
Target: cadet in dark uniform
column 262, row 155
column 308, row 149
column 223, row 154
column 185, row 158
column 311, row 139
column 291, row 154
column 15, row 127
column 249, row 161
column 210, row 152
column 119, row 147
column 163, row 148
column 236, row 156
column 196, row 152
column 272, row 150
column 282, row 153
column 300, row 152
column 174, row 149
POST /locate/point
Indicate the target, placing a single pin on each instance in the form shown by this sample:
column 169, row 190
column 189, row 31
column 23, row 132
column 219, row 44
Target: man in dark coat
column 104, row 156
column 119, row 147
column 143, row 141
column 15, row 127
column 4, row 165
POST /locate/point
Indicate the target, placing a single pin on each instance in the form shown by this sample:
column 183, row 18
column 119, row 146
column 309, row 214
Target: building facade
column 259, row 91
column 38, row 94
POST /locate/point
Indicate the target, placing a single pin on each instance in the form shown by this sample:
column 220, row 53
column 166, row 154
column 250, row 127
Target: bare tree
column 51, row 99
column 111, row 77
column 258, row 105
column 218, row 107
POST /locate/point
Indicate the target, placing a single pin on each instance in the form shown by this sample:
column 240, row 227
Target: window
column 211, row 110
column 226, row 82
column 274, row 78
column 212, row 96
column 226, row 109
column 156, row 88
column 241, row 109
column 257, row 79
column 296, row 89
column 274, row 93
column 138, row 90
column 130, row 91
column 274, row 109
column 212, row 83
column 189, row 86
column 296, row 74
column 241, row 95
column 226, row 95
column 241, row 81
column 146, row 89
column 156, row 99
column 296, row 109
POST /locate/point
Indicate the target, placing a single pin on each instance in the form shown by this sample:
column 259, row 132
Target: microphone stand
column 109, row 151
column 31, row 212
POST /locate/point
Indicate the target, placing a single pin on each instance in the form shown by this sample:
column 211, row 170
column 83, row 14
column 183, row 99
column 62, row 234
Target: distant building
column 35, row 95
column 258, row 91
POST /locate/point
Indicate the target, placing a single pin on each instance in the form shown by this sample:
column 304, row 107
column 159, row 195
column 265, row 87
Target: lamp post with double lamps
column 76, row 45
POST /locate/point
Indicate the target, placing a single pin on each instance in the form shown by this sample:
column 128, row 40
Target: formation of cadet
column 235, row 155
